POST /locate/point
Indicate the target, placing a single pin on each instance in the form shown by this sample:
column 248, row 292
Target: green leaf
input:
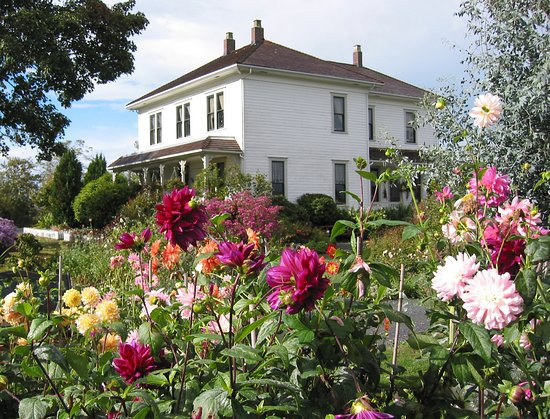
column 479, row 338
column 23, row 308
column 526, row 284
column 273, row 383
column 158, row 380
column 353, row 196
column 394, row 315
column 147, row 399
column 217, row 220
column 51, row 354
column 245, row 331
column 539, row 249
column 213, row 402
column 422, row 341
column 305, row 336
column 38, row 328
column 149, row 337
column 160, row 316
column 292, row 321
column 266, row 330
column 461, row 369
column 410, row 231
column 340, row 227
column 18, row 331
column 142, row 414
column 390, row 223
column 243, row 351
column 32, row 408
column 79, row 363
column 367, row 175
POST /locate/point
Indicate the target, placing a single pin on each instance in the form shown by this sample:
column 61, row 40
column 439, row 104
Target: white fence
column 49, row 234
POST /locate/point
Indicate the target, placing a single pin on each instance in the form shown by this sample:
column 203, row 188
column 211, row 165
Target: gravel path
column 416, row 312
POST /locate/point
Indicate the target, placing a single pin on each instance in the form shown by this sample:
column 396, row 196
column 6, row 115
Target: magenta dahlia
column 135, row 361
column 493, row 188
column 298, row 281
column 240, row 254
column 181, row 218
column 132, row 242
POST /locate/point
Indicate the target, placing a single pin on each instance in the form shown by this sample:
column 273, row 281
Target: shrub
column 211, row 184
column 8, row 234
column 321, row 208
column 96, row 168
column 246, row 211
column 28, row 247
column 290, row 211
column 100, row 200
column 141, row 206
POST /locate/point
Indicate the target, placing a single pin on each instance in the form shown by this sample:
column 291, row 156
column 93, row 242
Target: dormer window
column 155, row 128
column 214, row 111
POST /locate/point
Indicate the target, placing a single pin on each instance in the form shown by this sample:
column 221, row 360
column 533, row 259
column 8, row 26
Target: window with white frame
column 155, row 128
column 339, row 183
column 187, row 120
column 339, row 113
column 215, row 111
column 371, row 123
column 278, row 177
column 410, row 129
column 179, row 121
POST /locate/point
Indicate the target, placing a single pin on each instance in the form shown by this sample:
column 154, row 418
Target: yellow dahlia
column 90, row 296
column 87, row 322
column 21, row 342
column 108, row 342
column 10, row 315
column 72, row 298
column 25, row 289
column 107, row 311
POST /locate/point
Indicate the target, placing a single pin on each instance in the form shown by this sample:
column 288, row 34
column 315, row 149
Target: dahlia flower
column 10, row 315
column 186, row 297
column 130, row 240
column 90, row 296
column 507, row 256
column 331, row 250
column 360, row 264
column 496, row 186
column 449, row 280
column 332, row 268
column 107, row 311
column 135, row 361
column 491, row 299
column 133, row 337
column 116, row 261
column 72, row 298
column 521, row 217
column 487, row 110
column 444, row 194
column 181, row 218
column 87, row 322
column 237, row 255
column 171, row 256
column 297, row 282
column 109, row 342
column 253, row 238
column 498, row 340
column 524, row 342
column 361, row 409
column 25, row 289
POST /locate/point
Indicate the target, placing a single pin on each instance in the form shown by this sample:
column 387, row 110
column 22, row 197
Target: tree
column 509, row 56
column 96, row 168
column 66, row 184
column 62, row 48
column 18, row 187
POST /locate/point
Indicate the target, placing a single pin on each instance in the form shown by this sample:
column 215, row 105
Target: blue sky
column 410, row 40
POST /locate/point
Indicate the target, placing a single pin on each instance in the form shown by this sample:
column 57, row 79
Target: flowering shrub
column 8, row 233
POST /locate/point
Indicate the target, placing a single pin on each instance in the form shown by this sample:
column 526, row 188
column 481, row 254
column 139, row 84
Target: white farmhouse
column 298, row 119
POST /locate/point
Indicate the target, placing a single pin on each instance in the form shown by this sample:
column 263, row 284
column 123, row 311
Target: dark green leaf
column 38, row 328
column 79, row 363
column 422, row 341
column 273, row 383
column 243, row 351
column 526, row 284
column 305, row 336
column 266, row 330
column 150, row 337
column 18, row 331
column 245, row 331
column 410, row 231
column 367, row 175
column 394, row 315
column 353, row 196
column 213, row 402
column 479, row 338
column 142, row 414
column 147, row 399
column 340, row 227
column 51, row 354
column 32, row 408
column 539, row 249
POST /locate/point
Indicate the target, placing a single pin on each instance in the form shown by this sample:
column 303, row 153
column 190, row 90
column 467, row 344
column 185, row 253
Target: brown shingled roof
column 227, row 145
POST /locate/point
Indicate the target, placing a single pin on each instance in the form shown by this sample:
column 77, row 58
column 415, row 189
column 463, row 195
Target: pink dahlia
column 361, row 409
column 131, row 241
column 181, row 218
column 491, row 299
column 135, row 361
column 498, row 340
column 493, row 188
column 444, row 194
column 450, row 279
column 520, row 217
column 487, row 110
column 297, row 282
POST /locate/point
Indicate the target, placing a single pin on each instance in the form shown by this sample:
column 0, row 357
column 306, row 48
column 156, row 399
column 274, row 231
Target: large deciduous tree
column 18, row 187
column 509, row 56
column 62, row 48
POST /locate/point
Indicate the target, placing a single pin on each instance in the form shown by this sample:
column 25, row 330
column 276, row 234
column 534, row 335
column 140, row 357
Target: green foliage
column 64, row 48
column 66, row 184
column 18, row 187
column 322, row 209
column 140, row 208
column 509, row 56
column 96, row 168
column 100, row 200
column 28, row 246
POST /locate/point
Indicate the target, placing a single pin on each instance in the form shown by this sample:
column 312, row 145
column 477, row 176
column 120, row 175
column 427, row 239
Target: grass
column 410, row 366
column 50, row 247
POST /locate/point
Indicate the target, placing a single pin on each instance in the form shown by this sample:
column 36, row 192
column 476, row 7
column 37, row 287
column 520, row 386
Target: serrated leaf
column 147, row 399
column 38, row 328
column 149, row 337
column 243, row 351
column 305, row 336
column 158, row 380
column 410, row 231
column 340, row 227
column 212, row 402
column 32, row 408
column 245, row 331
column 266, row 330
column 273, row 383
column 526, row 284
column 78, row 363
column 479, row 338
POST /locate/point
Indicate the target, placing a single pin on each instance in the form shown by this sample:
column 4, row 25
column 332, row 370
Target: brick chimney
column 228, row 43
column 257, row 32
column 357, row 56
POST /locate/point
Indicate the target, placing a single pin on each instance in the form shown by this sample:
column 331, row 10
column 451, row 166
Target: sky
column 410, row 40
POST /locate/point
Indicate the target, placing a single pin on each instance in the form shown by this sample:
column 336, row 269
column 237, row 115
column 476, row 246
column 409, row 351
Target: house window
column 395, row 192
column 418, row 189
column 371, row 124
column 155, row 128
column 214, row 111
column 278, row 177
column 339, row 113
column 410, row 130
column 339, row 183
column 179, row 121
column 187, row 120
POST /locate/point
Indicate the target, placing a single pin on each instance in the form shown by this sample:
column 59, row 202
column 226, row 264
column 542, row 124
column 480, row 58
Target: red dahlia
column 181, row 218
column 135, row 361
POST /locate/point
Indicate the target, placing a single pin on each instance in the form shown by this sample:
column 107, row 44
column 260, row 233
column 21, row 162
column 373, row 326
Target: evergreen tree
column 96, row 168
column 66, row 184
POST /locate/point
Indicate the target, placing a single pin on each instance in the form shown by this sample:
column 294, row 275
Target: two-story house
column 298, row 119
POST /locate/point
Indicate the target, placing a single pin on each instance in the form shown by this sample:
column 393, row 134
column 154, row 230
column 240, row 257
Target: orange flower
column 155, row 247
column 207, row 265
column 332, row 268
column 331, row 250
column 253, row 238
column 209, row 246
column 154, row 264
column 171, row 255
column 386, row 324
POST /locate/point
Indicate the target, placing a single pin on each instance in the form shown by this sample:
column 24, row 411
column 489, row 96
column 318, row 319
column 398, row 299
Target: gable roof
column 270, row 55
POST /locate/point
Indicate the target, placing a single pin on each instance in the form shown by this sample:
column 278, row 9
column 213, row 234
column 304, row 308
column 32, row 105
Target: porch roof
column 210, row 144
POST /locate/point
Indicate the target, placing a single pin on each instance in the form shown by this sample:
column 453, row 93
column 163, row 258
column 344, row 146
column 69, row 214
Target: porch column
column 113, row 174
column 161, row 171
column 129, row 175
column 182, row 170
column 205, row 161
column 145, row 176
